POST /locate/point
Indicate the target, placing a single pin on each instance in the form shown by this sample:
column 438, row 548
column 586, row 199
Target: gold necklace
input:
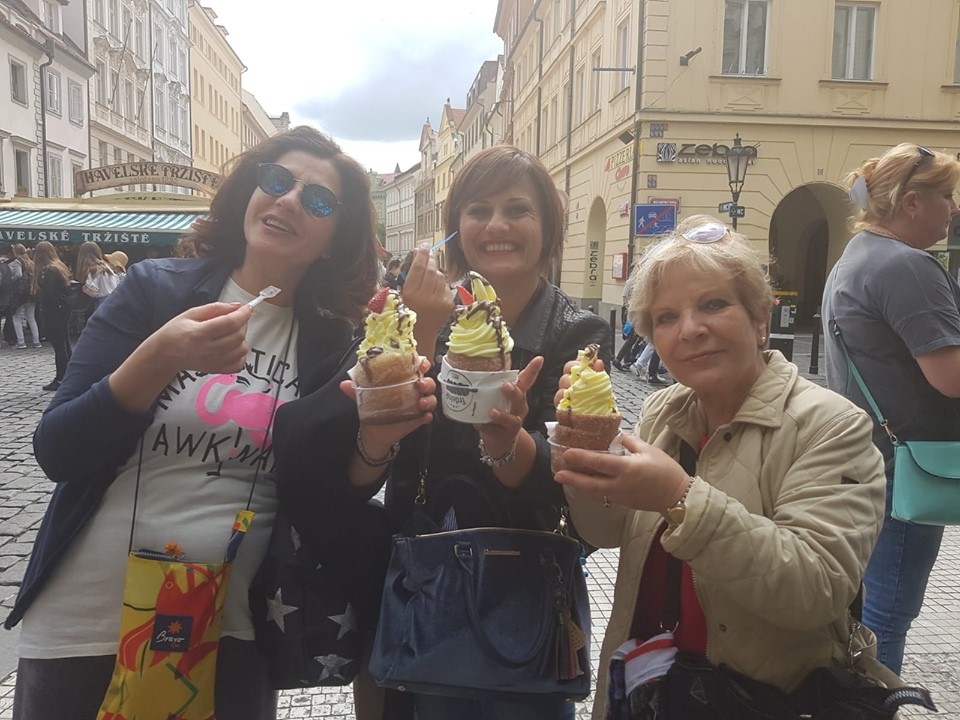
column 883, row 233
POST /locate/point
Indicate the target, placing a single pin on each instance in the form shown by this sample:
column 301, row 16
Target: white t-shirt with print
column 199, row 459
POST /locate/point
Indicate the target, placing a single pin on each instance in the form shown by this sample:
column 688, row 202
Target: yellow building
column 815, row 87
column 216, row 103
column 450, row 147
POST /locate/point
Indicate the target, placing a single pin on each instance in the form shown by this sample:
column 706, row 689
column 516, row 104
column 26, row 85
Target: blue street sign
column 655, row 219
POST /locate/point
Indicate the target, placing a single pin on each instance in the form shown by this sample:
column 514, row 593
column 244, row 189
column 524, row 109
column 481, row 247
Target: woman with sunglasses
column 748, row 500
column 898, row 312
column 167, row 406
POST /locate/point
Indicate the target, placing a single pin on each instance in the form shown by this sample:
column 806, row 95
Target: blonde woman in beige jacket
column 777, row 524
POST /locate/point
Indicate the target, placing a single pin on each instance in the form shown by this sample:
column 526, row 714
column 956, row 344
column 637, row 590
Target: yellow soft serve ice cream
column 587, row 415
column 479, row 338
column 390, row 330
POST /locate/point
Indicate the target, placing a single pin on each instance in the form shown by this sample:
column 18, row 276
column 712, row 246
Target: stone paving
column 933, row 649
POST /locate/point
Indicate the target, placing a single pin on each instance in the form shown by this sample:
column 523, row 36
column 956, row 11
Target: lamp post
column 737, row 159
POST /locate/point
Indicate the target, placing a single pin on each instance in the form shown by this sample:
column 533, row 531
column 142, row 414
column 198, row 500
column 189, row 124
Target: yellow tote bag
column 169, row 635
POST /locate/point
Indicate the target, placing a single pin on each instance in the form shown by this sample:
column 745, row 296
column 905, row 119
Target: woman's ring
column 606, row 501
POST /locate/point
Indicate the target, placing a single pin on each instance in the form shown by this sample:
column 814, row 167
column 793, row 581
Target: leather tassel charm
column 570, row 640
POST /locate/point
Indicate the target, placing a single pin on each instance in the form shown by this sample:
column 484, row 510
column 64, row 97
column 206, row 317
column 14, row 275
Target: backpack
column 7, row 286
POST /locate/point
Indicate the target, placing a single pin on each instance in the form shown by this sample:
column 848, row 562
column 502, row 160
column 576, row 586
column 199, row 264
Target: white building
column 401, row 211
column 44, row 98
column 170, row 68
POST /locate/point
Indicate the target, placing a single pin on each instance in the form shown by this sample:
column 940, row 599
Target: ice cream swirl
column 478, row 329
column 389, row 331
column 590, row 391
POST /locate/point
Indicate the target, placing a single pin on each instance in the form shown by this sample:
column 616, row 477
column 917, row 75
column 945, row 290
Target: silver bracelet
column 372, row 462
column 500, row 461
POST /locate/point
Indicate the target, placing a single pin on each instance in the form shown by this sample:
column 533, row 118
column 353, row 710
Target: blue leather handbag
column 926, row 474
column 486, row 612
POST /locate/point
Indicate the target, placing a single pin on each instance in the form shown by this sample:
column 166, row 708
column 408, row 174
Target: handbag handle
column 884, row 423
column 466, row 553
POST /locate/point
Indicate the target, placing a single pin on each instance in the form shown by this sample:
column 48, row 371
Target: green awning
column 106, row 228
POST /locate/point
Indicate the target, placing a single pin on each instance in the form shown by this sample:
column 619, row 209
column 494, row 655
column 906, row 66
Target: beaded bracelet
column 391, row 454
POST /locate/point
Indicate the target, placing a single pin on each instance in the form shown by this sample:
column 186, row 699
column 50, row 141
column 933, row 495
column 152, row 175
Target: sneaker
column 656, row 380
column 52, row 386
column 37, row 345
column 21, row 346
column 636, row 370
column 618, row 365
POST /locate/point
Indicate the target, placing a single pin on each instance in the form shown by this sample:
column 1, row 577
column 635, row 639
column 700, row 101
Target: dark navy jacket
column 84, row 435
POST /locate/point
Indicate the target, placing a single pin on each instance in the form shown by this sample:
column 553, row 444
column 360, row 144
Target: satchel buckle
column 893, row 438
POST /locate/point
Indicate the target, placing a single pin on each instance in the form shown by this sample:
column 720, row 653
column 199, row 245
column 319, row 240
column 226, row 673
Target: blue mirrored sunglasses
column 276, row 181
column 706, row 234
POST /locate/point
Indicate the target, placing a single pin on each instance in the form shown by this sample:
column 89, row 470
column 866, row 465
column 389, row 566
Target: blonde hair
column 45, row 257
column 729, row 257
column 20, row 252
column 899, row 170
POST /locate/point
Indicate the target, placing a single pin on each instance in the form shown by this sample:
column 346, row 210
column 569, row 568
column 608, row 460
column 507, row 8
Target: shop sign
column 137, row 173
column 620, row 162
column 101, row 237
column 698, row 153
column 593, row 263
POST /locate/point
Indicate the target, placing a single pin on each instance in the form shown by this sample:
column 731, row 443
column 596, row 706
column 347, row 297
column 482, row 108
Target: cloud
column 397, row 94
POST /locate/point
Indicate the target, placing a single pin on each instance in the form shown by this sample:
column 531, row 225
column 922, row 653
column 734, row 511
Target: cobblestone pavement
column 933, row 650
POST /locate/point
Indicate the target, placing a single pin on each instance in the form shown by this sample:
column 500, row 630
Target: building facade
column 170, row 72
column 449, row 160
column 257, row 125
column 216, row 102
column 635, row 102
column 479, row 128
column 401, row 212
column 424, row 206
column 121, row 108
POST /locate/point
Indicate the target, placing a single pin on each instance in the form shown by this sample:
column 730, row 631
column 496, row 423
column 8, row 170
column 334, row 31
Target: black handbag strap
column 671, row 606
column 855, row 374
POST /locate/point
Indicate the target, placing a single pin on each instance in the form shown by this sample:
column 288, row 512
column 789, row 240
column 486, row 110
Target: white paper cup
column 556, row 449
column 388, row 403
column 468, row 397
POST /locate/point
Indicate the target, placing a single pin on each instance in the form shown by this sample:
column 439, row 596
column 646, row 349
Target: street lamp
column 738, row 159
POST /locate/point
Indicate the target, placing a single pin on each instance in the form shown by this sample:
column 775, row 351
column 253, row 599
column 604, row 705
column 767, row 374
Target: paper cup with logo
column 556, row 449
column 468, row 397
column 386, row 404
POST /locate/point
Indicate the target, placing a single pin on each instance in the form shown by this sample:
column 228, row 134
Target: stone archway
column 808, row 232
column 594, row 252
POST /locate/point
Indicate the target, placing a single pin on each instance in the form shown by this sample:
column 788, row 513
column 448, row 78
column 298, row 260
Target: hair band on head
column 860, row 194
column 707, row 233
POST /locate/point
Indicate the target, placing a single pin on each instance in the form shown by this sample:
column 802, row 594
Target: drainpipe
column 637, row 125
column 48, row 49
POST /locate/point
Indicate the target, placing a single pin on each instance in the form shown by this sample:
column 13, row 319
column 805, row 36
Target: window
column 104, row 153
column 21, row 163
column 158, row 105
column 184, row 73
column 138, row 38
column 184, row 125
column 101, row 86
column 50, row 13
column 158, row 44
column 114, row 87
column 55, row 186
column 74, row 169
column 118, row 156
column 129, row 99
column 54, row 103
column 745, row 37
column 956, row 62
column 173, row 56
column 18, row 82
column 623, row 54
column 853, row 27
column 127, row 22
column 555, row 114
column 595, row 82
column 581, row 90
column 557, row 17
column 98, row 11
column 174, row 116
column 114, row 18
column 75, row 98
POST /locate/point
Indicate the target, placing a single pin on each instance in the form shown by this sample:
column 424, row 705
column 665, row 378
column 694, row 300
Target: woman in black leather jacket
column 508, row 217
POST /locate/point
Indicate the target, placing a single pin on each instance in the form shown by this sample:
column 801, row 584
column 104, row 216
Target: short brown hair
column 729, row 257
column 491, row 171
column 899, row 170
column 340, row 284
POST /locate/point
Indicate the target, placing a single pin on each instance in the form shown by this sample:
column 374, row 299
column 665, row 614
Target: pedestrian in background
column 51, row 279
column 27, row 302
column 899, row 314
column 117, row 261
column 391, row 277
column 95, row 275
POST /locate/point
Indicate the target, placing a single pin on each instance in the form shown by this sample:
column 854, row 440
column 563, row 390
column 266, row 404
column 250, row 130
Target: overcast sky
column 369, row 72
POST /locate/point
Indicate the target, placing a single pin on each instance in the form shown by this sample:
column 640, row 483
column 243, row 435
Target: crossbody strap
column 884, row 423
column 671, row 605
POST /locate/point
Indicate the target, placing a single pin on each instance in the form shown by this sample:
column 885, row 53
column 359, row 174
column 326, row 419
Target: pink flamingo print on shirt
column 251, row 411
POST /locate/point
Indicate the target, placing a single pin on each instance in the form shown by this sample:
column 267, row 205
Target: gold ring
column 606, row 501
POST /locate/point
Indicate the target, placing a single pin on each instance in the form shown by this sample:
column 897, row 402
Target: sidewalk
column 933, row 650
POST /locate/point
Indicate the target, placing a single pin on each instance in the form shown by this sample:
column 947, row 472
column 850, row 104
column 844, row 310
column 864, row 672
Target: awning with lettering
column 106, row 228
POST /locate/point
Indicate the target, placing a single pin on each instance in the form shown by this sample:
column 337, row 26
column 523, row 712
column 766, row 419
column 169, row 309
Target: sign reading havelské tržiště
column 137, row 173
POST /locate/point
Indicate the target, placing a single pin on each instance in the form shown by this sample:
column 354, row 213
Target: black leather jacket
column 552, row 326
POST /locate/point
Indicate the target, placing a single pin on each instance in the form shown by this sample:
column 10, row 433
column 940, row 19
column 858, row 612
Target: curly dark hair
column 489, row 172
column 339, row 285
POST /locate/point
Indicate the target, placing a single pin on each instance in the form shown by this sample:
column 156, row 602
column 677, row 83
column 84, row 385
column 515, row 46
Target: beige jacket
column 780, row 522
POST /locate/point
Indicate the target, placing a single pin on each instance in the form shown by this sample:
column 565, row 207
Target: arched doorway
column 808, row 232
column 594, row 254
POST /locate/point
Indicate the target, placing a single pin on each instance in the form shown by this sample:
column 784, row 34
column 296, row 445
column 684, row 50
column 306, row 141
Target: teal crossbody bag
column 926, row 474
